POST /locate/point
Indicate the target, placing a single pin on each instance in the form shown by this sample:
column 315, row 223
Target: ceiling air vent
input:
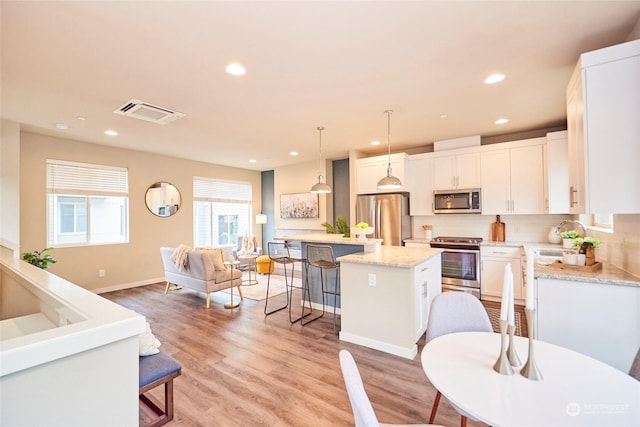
column 149, row 112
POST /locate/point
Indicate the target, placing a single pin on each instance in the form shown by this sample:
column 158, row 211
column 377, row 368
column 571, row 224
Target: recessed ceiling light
column 494, row 78
column 293, row 153
column 62, row 126
column 443, row 116
column 252, row 160
column 375, row 142
column 501, row 121
column 236, row 69
column 111, row 132
column 81, row 118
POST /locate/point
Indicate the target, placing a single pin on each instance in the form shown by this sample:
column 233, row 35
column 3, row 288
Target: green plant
column 592, row 240
column 571, row 234
column 38, row 258
column 341, row 227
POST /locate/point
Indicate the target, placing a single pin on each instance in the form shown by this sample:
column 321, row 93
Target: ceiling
column 315, row 63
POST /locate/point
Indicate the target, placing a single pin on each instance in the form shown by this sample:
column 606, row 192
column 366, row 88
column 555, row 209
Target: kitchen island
column 340, row 246
column 386, row 296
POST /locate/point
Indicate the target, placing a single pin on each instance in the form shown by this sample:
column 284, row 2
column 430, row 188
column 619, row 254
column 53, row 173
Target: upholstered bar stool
column 279, row 254
column 322, row 258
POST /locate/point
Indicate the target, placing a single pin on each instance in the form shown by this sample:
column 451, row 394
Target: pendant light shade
column 389, row 182
column 320, row 187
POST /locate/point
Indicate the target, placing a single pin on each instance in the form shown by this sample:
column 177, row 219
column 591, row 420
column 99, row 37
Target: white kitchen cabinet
column 428, row 284
column 493, row 260
column 370, row 170
column 601, row 320
column 453, row 171
column 512, row 178
column 419, row 182
column 603, row 105
column 556, row 173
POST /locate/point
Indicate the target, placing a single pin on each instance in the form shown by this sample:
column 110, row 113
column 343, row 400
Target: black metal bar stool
column 279, row 253
column 321, row 257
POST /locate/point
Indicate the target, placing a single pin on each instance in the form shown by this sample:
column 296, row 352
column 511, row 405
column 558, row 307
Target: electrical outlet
column 102, row 273
column 372, row 279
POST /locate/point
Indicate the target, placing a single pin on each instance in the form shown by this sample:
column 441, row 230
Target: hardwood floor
column 240, row 368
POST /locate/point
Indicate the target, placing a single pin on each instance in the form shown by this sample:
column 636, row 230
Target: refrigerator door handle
column 377, row 232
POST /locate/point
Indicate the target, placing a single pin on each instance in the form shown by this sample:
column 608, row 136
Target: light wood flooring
column 240, row 368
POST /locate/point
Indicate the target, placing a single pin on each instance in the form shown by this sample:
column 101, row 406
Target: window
column 222, row 211
column 86, row 204
column 602, row 220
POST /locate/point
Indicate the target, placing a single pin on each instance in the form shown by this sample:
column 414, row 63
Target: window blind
column 64, row 177
column 205, row 189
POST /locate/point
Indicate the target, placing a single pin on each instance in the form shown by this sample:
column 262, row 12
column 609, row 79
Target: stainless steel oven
column 460, row 263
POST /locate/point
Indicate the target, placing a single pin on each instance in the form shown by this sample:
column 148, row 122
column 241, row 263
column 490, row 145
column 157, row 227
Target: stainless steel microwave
column 457, row 201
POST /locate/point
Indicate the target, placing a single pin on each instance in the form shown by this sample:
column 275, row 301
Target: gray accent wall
column 268, row 208
column 341, row 206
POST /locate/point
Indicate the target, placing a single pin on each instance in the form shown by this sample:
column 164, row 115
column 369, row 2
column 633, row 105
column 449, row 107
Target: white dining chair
column 363, row 413
column 635, row 366
column 455, row 312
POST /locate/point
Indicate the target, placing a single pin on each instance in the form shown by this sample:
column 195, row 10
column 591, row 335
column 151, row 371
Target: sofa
column 203, row 271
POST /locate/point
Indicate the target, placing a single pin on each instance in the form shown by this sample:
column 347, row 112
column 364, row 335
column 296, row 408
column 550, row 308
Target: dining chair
column 363, row 413
column 453, row 312
column 634, row 371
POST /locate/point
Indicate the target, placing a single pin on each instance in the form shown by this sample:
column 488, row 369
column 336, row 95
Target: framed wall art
column 298, row 205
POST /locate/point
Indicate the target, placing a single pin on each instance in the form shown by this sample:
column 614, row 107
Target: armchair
column 246, row 246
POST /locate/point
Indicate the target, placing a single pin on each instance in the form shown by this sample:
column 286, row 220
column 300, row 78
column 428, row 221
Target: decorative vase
column 554, row 236
column 590, row 258
column 567, row 243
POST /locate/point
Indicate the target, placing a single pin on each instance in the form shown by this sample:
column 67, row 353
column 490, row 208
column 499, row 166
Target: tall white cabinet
column 512, row 178
column 603, row 124
column 419, row 182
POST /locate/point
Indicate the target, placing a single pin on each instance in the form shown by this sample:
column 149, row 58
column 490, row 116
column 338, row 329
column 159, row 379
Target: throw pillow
column 147, row 342
column 216, row 256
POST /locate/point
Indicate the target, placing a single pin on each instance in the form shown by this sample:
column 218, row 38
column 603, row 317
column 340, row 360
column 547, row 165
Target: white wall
column 10, row 185
column 622, row 247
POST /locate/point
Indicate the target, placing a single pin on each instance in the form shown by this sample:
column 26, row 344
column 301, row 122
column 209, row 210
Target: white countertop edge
column 104, row 321
column 392, row 256
column 329, row 238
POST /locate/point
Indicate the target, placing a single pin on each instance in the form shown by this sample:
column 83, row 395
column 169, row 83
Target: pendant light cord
column 320, row 129
column 388, row 113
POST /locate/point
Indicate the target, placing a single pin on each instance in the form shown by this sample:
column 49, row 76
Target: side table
column 250, row 262
column 232, row 265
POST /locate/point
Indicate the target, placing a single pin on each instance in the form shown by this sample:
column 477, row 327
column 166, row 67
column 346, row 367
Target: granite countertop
column 609, row 275
column 392, row 256
column 336, row 239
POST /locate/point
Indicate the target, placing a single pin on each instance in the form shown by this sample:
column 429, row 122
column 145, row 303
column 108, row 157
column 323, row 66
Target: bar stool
column 279, row 253
column 321, row 257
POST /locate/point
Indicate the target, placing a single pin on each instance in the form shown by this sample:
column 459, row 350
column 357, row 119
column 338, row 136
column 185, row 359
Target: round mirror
column 163, row 199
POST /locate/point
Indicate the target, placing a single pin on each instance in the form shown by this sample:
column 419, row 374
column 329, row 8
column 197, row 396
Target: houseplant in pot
column 39, row 259
column 568, row 238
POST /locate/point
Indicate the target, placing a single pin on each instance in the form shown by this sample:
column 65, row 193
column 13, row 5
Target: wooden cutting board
column 497, row 230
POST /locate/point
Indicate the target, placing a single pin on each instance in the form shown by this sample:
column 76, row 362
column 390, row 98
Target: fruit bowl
column 361, row 233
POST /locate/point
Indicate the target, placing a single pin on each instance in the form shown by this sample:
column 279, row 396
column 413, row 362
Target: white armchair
column 246, row 246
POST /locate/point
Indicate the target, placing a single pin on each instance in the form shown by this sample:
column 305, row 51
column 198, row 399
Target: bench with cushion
column 157, row 370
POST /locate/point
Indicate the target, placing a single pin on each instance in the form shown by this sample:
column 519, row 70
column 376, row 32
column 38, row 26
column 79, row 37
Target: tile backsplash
column 622, row 247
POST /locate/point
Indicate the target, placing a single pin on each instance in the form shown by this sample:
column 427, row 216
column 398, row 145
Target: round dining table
column 575, row 390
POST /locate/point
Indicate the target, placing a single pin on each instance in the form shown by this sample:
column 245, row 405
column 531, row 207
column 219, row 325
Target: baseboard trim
column 127, row 285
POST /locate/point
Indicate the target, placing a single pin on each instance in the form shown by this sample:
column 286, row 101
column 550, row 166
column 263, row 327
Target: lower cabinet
column 493, row 260
column 600, row 320
column 386, row 307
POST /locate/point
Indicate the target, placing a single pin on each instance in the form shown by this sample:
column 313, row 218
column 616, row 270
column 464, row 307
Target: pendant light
column 389, row 182
column 321, row 187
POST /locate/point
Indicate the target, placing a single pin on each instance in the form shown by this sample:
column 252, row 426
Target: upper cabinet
column 455, row 171
column 420, row 184
column 556, row 173
column 370, row 170
column 603, row 110
column 512, row 178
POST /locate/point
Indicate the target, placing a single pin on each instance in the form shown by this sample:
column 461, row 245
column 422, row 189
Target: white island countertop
column 392, row 256
column 329, row 238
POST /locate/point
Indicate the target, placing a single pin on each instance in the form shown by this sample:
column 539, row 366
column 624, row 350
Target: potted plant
column 38, row 258
column 341, row 227
column 568, row 238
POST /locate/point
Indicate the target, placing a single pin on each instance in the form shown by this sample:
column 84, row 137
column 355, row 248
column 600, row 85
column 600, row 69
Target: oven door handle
column 475, row 251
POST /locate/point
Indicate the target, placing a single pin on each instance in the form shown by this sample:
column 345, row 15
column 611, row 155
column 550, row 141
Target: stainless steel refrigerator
column 388, row 214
